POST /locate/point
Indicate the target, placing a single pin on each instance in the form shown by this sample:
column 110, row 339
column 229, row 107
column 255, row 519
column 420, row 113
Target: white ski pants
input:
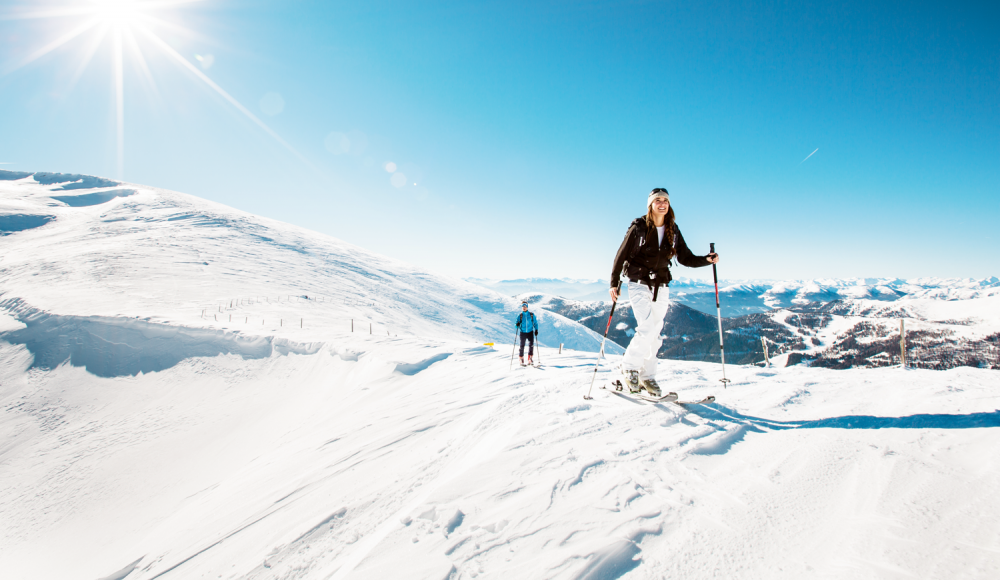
column 641, row 352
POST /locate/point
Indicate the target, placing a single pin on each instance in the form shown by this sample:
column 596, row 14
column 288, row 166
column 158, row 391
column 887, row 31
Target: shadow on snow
column 919, row 421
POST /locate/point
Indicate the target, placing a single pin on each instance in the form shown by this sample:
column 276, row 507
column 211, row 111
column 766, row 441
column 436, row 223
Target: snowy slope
column 123, row 251
column 142, row 439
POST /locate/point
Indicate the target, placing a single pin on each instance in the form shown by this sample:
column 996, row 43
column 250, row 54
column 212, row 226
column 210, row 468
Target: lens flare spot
column 398, row 179
column 390, row 167
column 205, row 61
column 272, row 104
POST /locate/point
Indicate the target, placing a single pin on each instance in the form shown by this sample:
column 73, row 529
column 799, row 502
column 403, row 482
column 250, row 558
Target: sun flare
column 118, row 12
column 123, row 23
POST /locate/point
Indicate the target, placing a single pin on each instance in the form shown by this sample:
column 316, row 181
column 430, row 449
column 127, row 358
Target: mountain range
column 739, row 297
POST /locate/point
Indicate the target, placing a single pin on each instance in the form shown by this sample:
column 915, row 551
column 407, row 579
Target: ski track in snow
column 141, row 440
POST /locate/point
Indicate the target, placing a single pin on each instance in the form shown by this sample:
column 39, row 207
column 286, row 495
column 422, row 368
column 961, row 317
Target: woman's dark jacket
column 648, row 259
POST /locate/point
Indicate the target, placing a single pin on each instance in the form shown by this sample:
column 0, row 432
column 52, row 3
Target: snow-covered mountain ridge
column 738, row 297
column 844, row 333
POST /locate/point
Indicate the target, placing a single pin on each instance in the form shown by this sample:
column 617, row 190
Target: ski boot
column 530, row 361
column 632, row 380
column 652, row 388
column 522, row 361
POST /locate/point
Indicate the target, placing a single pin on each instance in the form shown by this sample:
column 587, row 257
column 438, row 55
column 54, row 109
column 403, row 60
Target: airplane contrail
column 808, row 156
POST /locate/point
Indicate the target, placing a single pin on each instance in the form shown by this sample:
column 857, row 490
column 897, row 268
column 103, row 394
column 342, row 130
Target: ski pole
column 512, row 351
column 618, row 291
column 538, row 346
column 718, row 311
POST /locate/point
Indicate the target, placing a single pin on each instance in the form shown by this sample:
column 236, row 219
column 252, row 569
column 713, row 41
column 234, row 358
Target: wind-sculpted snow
column 115, row 347
column 11, row 223
column 334, row 466
column 89, row 199
column 67, row 181
column 414, row 368
column 73, row 181
column 13, row 175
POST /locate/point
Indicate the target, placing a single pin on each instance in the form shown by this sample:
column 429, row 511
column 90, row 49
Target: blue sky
column 529, row 133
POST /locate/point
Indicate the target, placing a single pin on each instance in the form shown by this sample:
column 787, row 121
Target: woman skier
column 649, row 245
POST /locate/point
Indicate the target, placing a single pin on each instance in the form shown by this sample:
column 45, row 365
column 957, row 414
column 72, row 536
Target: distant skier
column 528, row 327
column 649, row 245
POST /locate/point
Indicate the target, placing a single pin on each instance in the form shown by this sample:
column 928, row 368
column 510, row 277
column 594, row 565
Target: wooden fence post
column 902, row 343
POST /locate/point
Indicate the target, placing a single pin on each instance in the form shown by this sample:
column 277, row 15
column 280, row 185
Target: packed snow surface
column 406, row 458
column 145, row 435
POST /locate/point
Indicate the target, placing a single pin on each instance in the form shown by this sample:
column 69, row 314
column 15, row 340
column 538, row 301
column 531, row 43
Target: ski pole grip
column 621, row 278
column 715, row 274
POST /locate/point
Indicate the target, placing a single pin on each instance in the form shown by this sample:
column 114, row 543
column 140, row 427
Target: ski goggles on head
column 524, row 306
column 658, row 192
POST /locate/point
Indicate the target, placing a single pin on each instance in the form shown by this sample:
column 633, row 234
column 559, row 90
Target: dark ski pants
column 530, row 337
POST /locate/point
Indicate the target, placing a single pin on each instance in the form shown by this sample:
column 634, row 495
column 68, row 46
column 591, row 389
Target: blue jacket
column 526, row 323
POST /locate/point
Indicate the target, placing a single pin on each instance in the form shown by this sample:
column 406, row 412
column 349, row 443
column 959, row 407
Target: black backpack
column 640, row 230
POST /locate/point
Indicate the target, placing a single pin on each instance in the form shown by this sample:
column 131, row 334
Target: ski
column 705, row 401
column 619, row 390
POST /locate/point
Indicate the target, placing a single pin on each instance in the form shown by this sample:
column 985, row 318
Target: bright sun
column 126, row 24
column 120, row 12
